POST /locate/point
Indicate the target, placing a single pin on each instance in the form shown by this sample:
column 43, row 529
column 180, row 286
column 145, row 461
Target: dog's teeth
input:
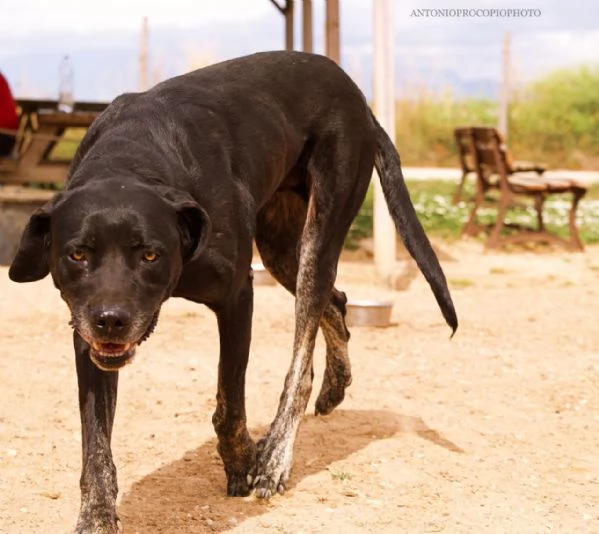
column 98, row 348
column 249, row 479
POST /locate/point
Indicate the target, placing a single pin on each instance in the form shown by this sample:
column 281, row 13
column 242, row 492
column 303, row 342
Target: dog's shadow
column 189, row 495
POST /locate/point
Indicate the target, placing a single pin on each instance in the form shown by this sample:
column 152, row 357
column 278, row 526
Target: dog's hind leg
column 97, row 404
column 279, row 228
column 340, row 174
column 235, row 445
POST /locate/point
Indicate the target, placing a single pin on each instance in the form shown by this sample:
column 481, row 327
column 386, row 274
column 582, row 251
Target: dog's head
column 115, row 251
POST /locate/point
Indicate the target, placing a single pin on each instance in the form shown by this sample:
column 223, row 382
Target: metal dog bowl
column 368, row 313
column 261, row 276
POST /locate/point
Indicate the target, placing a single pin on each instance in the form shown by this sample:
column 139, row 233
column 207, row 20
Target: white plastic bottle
column 66, row 100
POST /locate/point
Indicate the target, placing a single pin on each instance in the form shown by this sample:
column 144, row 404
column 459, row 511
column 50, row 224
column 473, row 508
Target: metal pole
column 332, row 37
column 504, row 96
column 307, row 25
column 384, row 107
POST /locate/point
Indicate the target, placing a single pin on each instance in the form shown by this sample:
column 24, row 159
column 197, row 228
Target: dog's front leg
column 97, row 403
column 235, row 445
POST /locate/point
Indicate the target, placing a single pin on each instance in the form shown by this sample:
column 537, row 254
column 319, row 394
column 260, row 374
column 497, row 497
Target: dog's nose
column 111, row 320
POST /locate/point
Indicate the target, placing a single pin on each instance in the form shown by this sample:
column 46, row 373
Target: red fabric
column 8, row 108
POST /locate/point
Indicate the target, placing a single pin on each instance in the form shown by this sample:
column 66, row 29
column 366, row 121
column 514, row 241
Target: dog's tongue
column 111, row 348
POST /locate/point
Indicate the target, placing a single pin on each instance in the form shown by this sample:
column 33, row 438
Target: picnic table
column 41, row 129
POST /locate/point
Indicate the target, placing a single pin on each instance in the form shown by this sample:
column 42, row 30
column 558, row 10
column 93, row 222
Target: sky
column 430, row 50
column 21, row 18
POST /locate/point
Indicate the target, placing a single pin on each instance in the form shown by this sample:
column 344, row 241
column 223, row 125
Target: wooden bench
column 494, row 171
column 468, row 166
column 30, row 175
column 41, row 129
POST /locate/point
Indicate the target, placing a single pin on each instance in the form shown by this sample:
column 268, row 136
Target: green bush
column 424, row 128
column 553, row 120
column 556, row 119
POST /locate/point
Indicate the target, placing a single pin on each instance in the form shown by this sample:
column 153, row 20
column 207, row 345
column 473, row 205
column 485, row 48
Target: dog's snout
column 111, row 320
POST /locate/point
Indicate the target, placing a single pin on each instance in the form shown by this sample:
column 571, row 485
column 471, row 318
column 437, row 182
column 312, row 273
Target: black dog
column 165, row 196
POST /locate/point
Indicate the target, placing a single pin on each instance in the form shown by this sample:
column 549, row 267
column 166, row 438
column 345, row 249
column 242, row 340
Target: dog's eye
column 150, row 257
column 78, row 255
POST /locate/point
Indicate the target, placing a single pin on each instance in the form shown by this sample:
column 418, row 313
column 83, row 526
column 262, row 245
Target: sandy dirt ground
column 495, row 431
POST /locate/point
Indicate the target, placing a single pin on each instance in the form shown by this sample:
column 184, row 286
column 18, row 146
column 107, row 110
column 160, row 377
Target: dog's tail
column 388, row 166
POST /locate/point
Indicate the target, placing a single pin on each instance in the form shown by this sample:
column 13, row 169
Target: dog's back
column 305, row 86
column 258, row 114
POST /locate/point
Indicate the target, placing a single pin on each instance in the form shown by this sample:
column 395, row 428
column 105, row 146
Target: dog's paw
column 266, row 486
column 239, row 457
column 273, row 467
column 105, row 524
column 332, row 393
column 238, row 485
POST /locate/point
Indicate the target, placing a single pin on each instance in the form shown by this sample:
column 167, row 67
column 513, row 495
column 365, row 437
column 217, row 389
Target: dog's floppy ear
column 31, row 262
column 194, row 224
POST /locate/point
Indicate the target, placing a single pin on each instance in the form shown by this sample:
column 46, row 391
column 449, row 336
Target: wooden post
column 288, row 12
column 332, row 38
column 143, row 56
column 384, row 107
column 307, row 40
column 504, row 96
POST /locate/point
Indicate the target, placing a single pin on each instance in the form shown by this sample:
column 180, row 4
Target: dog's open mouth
column 112, row 356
